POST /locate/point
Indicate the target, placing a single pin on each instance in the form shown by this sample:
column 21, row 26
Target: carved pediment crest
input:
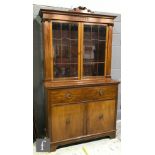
column 82, row 9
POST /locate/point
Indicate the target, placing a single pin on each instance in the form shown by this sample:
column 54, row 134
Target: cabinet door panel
column 94, row 47
column 100, row 116
column 67, row 121
column 65, row 49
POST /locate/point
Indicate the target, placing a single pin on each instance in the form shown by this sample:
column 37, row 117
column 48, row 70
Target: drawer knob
column 101, row 92
column 100, row 116
column 68, row 95
column 67, row 121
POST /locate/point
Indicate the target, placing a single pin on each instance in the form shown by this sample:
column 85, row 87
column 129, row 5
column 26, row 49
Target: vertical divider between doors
column 80, row 51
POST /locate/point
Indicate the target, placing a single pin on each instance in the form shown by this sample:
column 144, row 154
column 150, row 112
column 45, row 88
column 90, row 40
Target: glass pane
column 65, row 30
column 65, row 48
column 101, row 51
column 87, row 32
column 102, row 32
column 93, row 69
column 100, row 69
column 88, row 69
column 61, row 70
column 74, row 49
column 94, row 50
column 74, row 31
column 95, row 32
column 73, row 69
column 65, row 52
column 56, row 33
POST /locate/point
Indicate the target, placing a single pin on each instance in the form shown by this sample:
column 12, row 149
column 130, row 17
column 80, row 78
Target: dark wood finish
column 78, row 108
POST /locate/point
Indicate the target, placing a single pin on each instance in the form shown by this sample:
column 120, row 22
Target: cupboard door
column 94, row 49
column 100, row 116
column 67, row 121
column 65, row 49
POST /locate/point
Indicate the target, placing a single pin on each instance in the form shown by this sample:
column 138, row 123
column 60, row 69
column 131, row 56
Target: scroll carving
column 81, row 9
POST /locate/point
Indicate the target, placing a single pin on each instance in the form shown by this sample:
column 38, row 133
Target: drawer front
column 65, row 96
column 67, row 121
column 99, row 93
column 100, row 116
column 74, row 95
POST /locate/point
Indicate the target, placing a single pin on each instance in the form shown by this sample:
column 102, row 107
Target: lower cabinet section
column 80, row 114
column 67, row 121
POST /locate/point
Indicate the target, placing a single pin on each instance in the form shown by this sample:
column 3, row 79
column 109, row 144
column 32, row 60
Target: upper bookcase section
column 77, row 44
column 79, row 14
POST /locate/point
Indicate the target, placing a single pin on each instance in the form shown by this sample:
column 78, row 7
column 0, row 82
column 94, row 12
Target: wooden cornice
column 80, row 14
column 79, row 11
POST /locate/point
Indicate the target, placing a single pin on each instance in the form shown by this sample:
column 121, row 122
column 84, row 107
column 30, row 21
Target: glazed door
column 79, row 50
column 65, row 50
column 67, row 121
column 100, row 116
column 94, row 50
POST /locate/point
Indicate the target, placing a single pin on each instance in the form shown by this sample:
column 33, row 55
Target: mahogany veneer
column 80, row 96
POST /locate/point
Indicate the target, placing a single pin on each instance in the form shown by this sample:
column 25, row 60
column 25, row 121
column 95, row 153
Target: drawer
column 65, row 95
column 82, row 94
column 100, row 93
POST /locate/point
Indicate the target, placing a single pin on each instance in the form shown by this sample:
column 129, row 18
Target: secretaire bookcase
column 80, row 95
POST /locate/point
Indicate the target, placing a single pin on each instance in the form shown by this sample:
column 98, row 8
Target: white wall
column 112, row 6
